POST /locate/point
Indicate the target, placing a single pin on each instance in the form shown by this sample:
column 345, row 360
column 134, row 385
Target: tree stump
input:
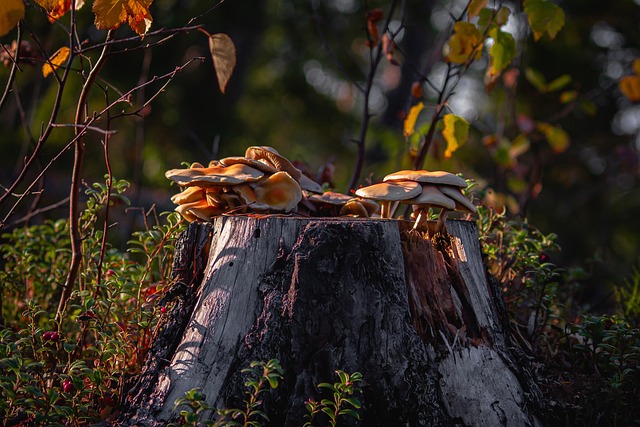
column 418, row 318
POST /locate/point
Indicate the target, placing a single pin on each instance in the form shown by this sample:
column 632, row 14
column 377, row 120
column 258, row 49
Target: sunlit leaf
column 110, row 14
column 559, row 83
column 11, row 12
column 223, row 52
column 536, row 79
column 568, row 96
column 412, row 117
column 475, row 6
column 455, row 132
column 465, row 43
column 490, row 18
column 56, row 60
column 556, row 136
column 544, row 18
column 630, row 87
column 636, row 66
column 57, row 8
column 501, row 54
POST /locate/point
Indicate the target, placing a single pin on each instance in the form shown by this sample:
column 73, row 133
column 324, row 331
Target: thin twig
column 14, row 67
column 74, row 193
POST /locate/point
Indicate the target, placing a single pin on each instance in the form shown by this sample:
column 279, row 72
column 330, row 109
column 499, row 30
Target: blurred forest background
column 295, row 88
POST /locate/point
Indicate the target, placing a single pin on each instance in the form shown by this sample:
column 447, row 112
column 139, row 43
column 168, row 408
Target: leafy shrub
column 71, row 369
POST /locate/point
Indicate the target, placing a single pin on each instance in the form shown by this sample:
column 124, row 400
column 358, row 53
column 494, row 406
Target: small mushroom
column 431, row 196
column 387, row 192
column 273, row 158
column 329, row 203
column 308, row 184
column 279, row 192
column 354, row 208
column 188, row 195
column 462, row 203
column 427, row 177
column 198, row 210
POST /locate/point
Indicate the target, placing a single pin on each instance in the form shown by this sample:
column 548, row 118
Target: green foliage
column 343, row 401
column 517, row 255
column 260, row 375
column 72, row 372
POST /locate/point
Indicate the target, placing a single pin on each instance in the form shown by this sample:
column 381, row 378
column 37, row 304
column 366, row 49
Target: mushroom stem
column 385, row 209
column 394, row 208
column 441, row 218
column 420, row 218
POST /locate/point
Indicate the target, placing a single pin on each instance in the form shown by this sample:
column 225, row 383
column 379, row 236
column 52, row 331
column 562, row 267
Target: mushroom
column 428, row 177
column 431, row 196
column 198, row 210
column 215, row 175
column 386, row 192
column 279, row 192
column 308, row 184
column 354, row 208
column 329, row 202
column 261, row 166
column 188, row 195
column 270, row 156
column 462, row 203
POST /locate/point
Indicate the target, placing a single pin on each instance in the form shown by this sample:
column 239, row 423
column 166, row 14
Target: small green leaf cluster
column 343, row 401
column 517, row 255
column 261, row 377
column 70, row 371
column 607, row 347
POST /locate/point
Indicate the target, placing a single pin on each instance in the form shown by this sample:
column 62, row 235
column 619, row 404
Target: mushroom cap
column 432, row 196
column 330, row 198
column 429, row 177
column 198, row 210
column 462, row 203
column 354, row 207
column 246, row 193
column 215, row 175
column 261, row 166
column 279, row 192
column 308, row 184
column 270, row 156
column 371, row 206
column 188, row 195
column 390, row 191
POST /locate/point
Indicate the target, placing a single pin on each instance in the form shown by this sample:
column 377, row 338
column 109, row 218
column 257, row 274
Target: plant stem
column 74, row 193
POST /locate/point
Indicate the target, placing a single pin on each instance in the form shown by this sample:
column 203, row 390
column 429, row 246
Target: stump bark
column 417, row 317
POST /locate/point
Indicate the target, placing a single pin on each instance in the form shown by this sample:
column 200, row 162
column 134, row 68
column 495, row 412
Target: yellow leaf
column 556, row 136
column 455, row 132
column 412, row 117
column 11, row 12
column 57, row 8
column 110, row 14
column 630, row 87
column 465, row 43
column 56, row 61
column 475, row 6
column 223, row 53
column 636, row 66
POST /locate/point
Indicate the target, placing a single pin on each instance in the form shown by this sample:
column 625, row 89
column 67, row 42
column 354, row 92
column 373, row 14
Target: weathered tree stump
column 417, row 318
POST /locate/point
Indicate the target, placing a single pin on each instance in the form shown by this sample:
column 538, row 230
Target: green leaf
column 536, row 79
column 556, row 136
column 455, row 132
column 502, row 52
column 544, row 18
column 559, row 83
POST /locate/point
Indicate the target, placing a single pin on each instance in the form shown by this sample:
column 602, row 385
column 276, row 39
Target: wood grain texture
column 418, row 319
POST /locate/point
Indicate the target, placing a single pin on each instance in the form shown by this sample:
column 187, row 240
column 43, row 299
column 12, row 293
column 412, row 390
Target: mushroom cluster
column 263, row 181
column 423, row 190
